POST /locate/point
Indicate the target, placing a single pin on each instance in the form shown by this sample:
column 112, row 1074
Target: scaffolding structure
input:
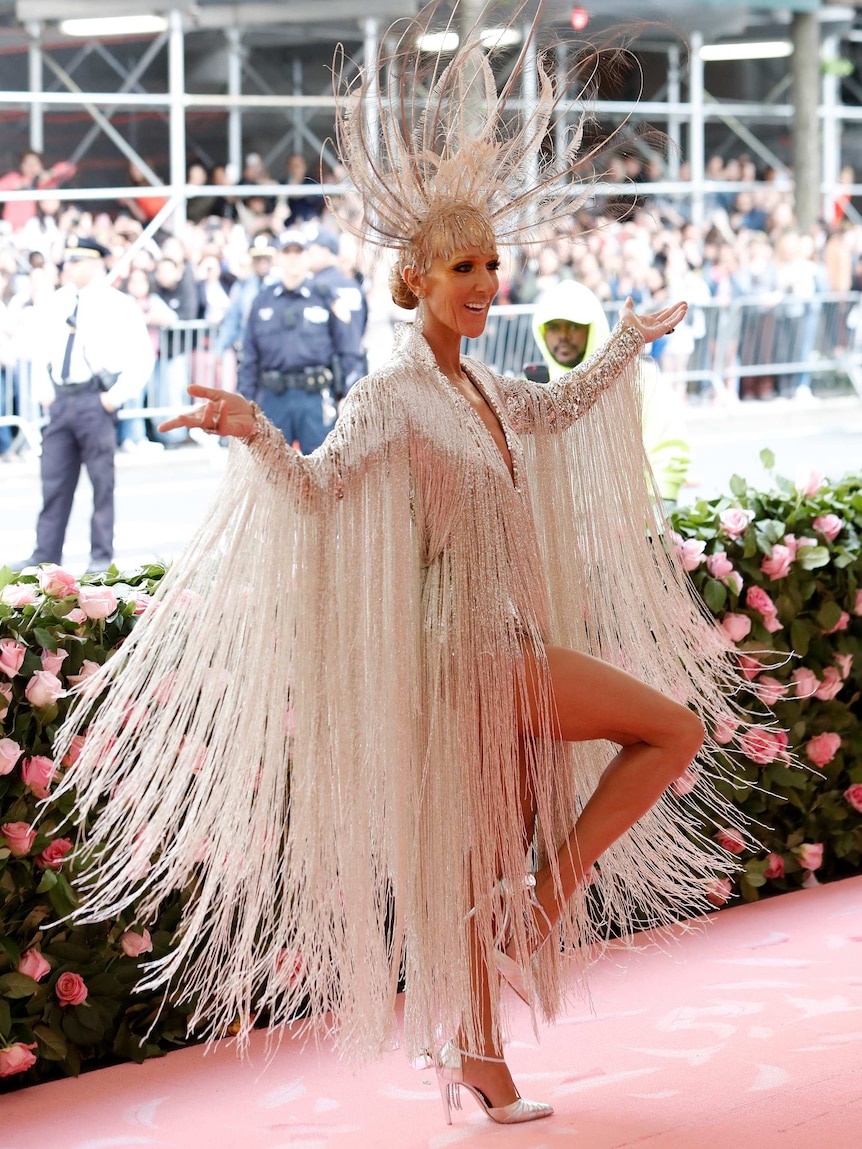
column 682, row 107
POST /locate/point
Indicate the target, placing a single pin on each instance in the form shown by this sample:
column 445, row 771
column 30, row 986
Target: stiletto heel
column 450, row 1078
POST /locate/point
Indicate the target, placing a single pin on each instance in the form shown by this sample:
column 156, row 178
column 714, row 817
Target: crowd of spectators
column 642, row 246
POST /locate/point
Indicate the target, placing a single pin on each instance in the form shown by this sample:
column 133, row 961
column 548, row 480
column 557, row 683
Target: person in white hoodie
column 569, row 324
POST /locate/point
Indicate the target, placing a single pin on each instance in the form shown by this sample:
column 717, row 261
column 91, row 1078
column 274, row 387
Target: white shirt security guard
column 95, row 354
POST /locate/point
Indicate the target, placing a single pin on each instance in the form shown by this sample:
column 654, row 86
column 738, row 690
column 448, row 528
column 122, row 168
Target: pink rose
column 777, row 565
column 34, row 965
column 724, row 731
column 830, row 526
column 749, row 666
column 757, row 599
column 734, row 522
column 691, row 553
column 830, row 686
column 54, row 854
column 734, row 581
column 718, row 891
column 822, row 748
column 142, row 601
column 16, row 1058
column 772, row 624
column 19, row 837
column 810, row 855
column 53, row 662
column 77, row 616
column 759, row 745
column 11, row 656
column 775, row 869
column 853, row 796
column 10, row 752
column 74, row 751
column 19, row 594
column 163, row 690
column 805, row 541
column 736, row 626
column 56, row 581
column 88, row 669
column 731, row 840
column 38, row 773
column 719, row 565
column 805, row 681
column 857, row 605
column 43, row 689
column 684, row 784
column 97, row 601
column 841, row 624
column 70, row 989
column 134, row 944
column 5, row 697
column 792, row 544
column 844, row 662
column 769, row 689
column 808, row 482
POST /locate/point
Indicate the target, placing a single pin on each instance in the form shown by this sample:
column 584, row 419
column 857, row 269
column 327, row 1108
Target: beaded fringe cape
column 312, row 729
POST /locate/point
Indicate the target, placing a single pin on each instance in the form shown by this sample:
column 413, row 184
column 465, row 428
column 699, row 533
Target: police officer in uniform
column 262, row 253
column 297, row 352
column 95, row 355
column 347, row 296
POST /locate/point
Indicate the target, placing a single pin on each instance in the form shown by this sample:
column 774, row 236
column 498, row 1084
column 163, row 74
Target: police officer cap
column 323, row 237
column 263, row 244
column 80, row 247
column 292, row 238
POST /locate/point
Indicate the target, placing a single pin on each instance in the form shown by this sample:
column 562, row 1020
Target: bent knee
column 682, row 739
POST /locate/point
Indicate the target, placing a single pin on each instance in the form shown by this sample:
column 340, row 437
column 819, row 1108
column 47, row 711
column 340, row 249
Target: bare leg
column 659, row 739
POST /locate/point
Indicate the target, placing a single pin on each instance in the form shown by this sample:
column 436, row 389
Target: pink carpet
column 746, row 1033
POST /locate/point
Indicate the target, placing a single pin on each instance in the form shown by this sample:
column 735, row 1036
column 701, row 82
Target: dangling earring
column 419, row 320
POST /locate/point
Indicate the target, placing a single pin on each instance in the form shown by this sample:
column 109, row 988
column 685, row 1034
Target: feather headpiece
column 440, row 156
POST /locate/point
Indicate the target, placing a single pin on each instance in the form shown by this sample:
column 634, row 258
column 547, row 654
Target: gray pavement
column 163, row 495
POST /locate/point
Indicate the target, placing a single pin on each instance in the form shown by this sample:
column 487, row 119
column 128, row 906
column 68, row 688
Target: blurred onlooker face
column 296, row 168
column 31, row 165
column 172, row 249
column 143, row 260
column 81, row 272
column 167, row 274
column 138, row 284
column 197, row 175
column 209, row 269
column 293, row 265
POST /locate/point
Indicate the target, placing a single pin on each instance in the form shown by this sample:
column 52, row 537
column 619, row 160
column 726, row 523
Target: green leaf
column 800, row 636
column 738, row 485
column 810, row 558
column 5, row 1018
column 17, row 985
column 52, row 1045
column 828, row 615
column 767, row 458
column 715, row 595
column 49, row 880
column 45, row 639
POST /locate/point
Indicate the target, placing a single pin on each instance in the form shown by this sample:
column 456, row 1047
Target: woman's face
column 458, row 291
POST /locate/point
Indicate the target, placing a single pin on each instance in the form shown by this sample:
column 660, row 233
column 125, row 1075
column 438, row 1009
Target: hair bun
column 401, row 294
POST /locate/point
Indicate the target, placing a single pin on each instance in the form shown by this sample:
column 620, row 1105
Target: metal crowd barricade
column 755, row 337
column 789, row 339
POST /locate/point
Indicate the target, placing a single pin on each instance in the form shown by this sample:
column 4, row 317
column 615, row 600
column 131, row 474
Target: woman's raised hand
column 653, row 326
column 224, row 413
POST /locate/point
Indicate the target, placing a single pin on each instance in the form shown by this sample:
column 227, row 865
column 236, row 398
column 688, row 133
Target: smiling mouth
column 476, row 306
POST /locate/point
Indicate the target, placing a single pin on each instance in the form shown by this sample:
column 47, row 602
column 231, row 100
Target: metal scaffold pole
column 176, row 87
column 234, row 88
column 34, row 61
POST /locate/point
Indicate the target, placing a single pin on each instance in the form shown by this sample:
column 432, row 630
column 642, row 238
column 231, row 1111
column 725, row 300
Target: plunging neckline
column 512, row 471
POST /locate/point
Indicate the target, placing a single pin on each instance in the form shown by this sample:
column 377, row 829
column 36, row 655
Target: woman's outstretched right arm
column 357, row 435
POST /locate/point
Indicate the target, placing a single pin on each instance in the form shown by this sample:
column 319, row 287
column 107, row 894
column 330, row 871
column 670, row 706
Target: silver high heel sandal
column 507, row 967
column 450, row 1078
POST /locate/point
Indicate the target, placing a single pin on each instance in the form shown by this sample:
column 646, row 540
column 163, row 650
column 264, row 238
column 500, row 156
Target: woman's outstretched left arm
column 556, row 405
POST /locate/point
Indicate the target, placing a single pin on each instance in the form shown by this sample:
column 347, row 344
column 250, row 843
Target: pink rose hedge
column 793, row 612
column 66, row 993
